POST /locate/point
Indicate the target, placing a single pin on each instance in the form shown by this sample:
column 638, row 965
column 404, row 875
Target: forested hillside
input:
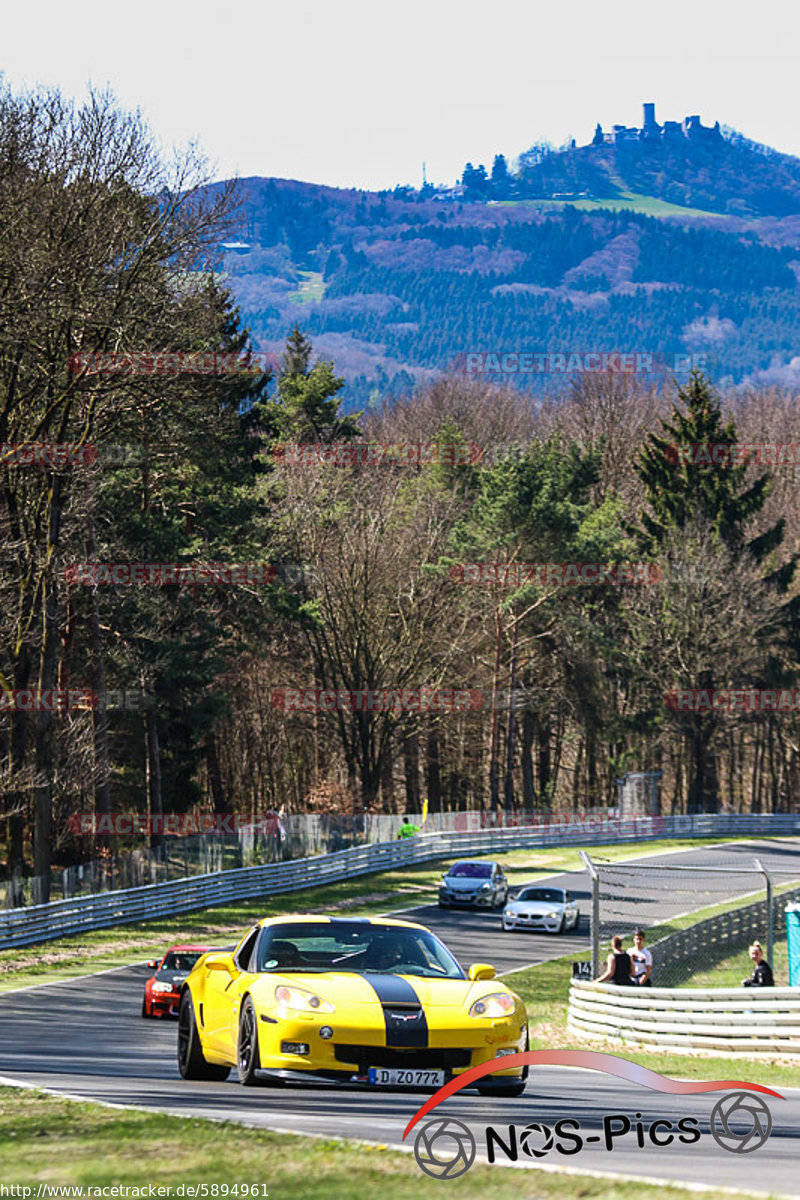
column 400, row 287
column 463, row 595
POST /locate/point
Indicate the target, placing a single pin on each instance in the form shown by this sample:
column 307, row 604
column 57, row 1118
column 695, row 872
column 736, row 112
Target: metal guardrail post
column 595, row 918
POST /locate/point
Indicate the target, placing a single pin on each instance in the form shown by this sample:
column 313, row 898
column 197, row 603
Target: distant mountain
column 397, row 287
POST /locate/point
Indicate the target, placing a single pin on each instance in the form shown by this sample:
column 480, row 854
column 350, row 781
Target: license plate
column 402, row 1077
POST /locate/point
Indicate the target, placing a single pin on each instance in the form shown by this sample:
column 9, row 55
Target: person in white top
column 642, row 960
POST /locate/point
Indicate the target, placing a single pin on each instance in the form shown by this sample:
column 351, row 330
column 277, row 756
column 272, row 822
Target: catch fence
column 693, row 916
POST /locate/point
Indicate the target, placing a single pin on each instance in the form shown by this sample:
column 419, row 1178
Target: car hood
column 536, row 908
column 341, row 987
column 458, row 883
column 176, row 978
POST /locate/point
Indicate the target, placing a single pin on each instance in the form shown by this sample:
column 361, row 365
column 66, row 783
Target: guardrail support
column 595, row 918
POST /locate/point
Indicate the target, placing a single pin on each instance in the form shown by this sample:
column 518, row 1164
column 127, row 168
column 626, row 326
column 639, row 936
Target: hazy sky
column 358, row 93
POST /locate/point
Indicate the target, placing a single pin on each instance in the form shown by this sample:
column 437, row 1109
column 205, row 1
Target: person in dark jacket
column 619, row 968
column 762, row 972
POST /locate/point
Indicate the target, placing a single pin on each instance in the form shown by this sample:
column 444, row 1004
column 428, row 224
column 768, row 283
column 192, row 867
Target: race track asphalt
column 86, row 1038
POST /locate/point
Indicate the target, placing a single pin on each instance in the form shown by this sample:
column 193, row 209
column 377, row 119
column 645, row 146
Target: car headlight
column 162, row 987
column 511, row 912
column 553, row 915
column 498, row 1004
column 300, row 1000
column 486, row 887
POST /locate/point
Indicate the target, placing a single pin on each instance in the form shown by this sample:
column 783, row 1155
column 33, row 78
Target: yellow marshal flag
column 424, row 810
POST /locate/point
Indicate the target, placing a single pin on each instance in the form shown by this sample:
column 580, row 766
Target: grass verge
column 62, row 1142
column 101, row 949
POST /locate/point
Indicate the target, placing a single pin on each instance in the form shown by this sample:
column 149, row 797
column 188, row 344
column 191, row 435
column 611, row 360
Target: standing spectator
column 619, row 967
column 642, row 960
column 762, row 972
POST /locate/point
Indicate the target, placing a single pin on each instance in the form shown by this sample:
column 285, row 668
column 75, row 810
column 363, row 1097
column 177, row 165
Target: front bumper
column 471, row 900
column 165, row 1004
column 537, row 924
column 347, row 1056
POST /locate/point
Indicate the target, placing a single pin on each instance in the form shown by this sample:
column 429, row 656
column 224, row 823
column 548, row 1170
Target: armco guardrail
column 42, row 922
column 740, row 1019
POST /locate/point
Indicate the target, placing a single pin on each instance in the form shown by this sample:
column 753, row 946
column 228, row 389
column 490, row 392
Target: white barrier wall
column 733, row 1019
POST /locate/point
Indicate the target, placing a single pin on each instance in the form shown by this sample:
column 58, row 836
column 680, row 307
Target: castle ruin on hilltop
column 690, row 127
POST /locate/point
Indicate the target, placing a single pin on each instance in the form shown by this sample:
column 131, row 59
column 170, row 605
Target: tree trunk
column 433, row 778
column 102, row 793
column 494, row 727
column 508, row 792
column 43, row 785
column 215, row 776
column 528, row 729
column 411, row 772
column 154, row 779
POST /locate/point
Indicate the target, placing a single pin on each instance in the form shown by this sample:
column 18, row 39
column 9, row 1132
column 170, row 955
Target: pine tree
column 699, row 496
column 688, row 479
column 296, row 358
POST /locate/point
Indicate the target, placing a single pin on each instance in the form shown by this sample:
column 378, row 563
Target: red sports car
column 162, row 990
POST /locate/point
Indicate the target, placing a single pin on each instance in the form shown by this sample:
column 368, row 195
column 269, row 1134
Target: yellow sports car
column 379, row 1002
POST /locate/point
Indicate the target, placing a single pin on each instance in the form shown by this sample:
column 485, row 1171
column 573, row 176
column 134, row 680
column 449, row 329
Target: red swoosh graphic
column 591, row 1060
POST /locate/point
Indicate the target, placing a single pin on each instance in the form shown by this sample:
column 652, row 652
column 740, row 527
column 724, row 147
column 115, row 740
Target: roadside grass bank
column 47, row 1140
column 406, row 887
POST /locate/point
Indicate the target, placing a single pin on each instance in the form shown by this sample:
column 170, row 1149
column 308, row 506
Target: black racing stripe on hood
column 403, row 1014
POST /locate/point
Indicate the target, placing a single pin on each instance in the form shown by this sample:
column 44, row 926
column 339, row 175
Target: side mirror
column 481, row 971
column 220, row 962
column 153, row 963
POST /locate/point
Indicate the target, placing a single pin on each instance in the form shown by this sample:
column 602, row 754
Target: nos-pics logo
column 445, row 1148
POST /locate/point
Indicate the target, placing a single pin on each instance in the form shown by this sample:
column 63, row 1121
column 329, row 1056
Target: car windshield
column 547, row 895
column 355, row 946
column 468, row 870
column 180, row 960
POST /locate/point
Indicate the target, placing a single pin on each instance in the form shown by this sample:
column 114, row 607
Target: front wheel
column 192, row 1063
column 247, row 1061
column 145, row 1013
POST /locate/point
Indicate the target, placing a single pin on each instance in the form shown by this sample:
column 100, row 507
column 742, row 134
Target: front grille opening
column 412, row 1059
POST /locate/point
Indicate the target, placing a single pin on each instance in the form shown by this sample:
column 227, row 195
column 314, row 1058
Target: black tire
column 247, row 1062
column 562, row 926
column 191, row 1061
column 145, row 1013
column 514, row 1087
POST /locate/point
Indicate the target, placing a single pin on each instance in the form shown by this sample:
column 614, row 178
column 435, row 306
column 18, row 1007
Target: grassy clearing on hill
column 650, row 206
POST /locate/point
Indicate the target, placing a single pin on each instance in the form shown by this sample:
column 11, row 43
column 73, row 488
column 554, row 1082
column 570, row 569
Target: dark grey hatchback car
column 473, row 883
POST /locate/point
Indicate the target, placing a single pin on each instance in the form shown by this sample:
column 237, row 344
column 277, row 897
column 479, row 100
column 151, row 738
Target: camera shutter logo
column 444, row 1148
column 533, row 1134
column 741, row 1122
